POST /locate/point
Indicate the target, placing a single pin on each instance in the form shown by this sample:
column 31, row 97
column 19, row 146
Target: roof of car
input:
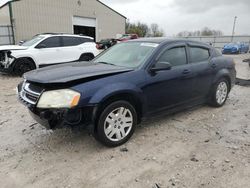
column 64, row 34
column 160, row 40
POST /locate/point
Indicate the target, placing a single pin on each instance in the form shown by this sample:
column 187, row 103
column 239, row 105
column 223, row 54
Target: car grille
column 29, row 93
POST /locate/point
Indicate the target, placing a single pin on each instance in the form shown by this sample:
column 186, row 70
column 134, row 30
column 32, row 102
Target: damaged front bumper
column 60, row 118
column 6, row 61
column 29, row 95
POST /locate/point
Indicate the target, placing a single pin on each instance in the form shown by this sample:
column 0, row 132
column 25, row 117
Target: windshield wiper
column 106, row 63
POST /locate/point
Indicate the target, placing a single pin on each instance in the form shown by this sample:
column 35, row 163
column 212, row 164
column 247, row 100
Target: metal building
column 88, row 17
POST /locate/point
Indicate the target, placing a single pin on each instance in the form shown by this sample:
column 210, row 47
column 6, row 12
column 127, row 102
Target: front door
column 49, row 51
column 169, row 88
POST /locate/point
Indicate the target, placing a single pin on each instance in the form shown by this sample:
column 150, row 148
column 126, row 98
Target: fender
column 118, row 88
column 222, row 73
column 23, row 54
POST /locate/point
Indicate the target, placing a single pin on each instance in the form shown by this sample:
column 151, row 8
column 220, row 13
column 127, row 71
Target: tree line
column 154, row 30
column 203, row 32
column 144, row 30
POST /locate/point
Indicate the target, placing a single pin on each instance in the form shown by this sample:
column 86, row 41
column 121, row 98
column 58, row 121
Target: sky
column 174, row 16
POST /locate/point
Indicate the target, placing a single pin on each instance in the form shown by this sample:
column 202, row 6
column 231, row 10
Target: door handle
column 213, row 65
column 186, row 71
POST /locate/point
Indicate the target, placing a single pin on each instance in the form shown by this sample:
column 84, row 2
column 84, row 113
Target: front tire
column 220, row 93
column 22, row 66
column 116, row 124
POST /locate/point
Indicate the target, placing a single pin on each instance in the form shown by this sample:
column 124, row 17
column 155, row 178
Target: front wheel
column 22, row 66
column 220, row 93
column 116, row 124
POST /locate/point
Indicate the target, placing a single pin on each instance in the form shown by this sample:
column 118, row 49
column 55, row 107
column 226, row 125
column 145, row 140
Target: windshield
column 128, row 54
column 32, row 41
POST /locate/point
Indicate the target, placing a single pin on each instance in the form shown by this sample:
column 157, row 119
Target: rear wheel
column 22, row 66
column 116, row 124
column 220, row 93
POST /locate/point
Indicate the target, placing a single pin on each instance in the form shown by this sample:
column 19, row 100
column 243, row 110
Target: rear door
column 74, row 47
column 203, row 70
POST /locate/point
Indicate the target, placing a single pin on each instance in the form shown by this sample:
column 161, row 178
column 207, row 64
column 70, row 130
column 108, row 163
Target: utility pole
column 235, row 18
column 11, row 21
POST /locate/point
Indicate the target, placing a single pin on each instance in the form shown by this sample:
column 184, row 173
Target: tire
column 112, row 129
column 86, row 57
column 219, row 93
column 22, row 66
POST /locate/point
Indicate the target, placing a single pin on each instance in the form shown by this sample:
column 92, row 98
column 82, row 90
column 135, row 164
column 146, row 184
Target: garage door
column 81, row 21
column 84, row 26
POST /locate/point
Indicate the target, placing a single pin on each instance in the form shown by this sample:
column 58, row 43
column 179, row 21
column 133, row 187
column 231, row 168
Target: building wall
column 4, row 16
column 40, row 16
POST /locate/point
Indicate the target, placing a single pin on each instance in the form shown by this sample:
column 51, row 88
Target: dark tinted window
column 175, row 56
column 74, row 41
column 198, row 54
column 51, row 42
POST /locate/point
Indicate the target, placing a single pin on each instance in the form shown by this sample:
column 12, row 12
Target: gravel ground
column 201, row 147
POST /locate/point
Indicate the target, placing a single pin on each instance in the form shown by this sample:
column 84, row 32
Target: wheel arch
column 25, row 57
column 224, row 73
column 89, row 54
column 128, row 96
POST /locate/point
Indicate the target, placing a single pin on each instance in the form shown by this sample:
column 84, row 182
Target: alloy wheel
column 118, row 124
column 221, row 92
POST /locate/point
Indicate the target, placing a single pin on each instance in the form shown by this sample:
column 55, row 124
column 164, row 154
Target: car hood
column 12, row 47
column 69, row 72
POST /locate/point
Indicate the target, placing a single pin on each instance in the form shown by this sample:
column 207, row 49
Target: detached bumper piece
column 29, row 95
column 5, row 60
column 5, row 70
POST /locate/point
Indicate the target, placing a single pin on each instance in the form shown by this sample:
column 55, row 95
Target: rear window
column 74, row 41
column 198, row 54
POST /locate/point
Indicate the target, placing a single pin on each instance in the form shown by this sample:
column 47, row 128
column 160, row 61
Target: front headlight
column 63, row 98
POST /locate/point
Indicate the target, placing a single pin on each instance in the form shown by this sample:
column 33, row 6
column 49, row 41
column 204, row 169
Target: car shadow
column 242, row 82
column 8, row 76
column 80, row 138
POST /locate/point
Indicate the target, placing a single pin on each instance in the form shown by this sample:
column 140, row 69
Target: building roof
column 111, row 9
column 5, row 2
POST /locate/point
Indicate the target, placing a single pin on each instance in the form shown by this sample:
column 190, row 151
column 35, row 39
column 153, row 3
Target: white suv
column 44, row 50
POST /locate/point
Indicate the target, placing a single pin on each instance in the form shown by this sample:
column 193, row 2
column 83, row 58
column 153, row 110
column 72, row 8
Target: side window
column 52, row 42
column 83, row 40
column 175, row 56
column 74, row 41
column 198, row 54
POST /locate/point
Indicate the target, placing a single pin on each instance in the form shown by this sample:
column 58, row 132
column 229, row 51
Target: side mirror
column 39, row 46
column 160, row 66
column 21, row 42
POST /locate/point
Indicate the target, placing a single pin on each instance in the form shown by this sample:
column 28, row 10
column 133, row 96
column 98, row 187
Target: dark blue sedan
column 126, row 84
